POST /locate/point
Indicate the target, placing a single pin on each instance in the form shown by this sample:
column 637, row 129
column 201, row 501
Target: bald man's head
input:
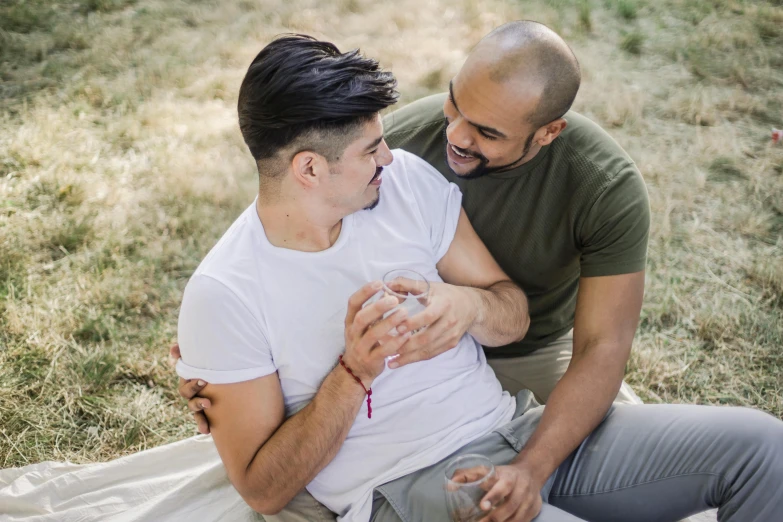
column 530, row 56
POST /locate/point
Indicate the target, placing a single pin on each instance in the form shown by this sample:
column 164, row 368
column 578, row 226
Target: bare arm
column 269, row 465
column 500, row 306
column 607, row 313
column 268, row 460
column 477, row 297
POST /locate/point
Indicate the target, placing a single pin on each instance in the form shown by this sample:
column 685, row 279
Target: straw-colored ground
column 121, row 164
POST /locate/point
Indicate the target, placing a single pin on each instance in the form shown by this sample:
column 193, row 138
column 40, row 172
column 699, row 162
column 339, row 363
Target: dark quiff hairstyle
column 304, row 94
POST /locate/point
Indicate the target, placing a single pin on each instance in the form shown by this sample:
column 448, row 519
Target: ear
column 309, row 168
column 547, row 134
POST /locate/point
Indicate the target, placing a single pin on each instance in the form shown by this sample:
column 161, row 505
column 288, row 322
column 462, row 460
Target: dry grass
column 121, row 164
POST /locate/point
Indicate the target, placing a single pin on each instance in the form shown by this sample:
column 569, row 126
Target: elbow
column 261, row 498
column 264, row 505
column 524, row 326
column 520, row 331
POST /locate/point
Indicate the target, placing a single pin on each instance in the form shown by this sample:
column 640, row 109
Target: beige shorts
column 540, row 371
column 537, row 372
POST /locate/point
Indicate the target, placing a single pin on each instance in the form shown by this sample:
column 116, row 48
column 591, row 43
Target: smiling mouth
column 377, row 176
column 456, row 151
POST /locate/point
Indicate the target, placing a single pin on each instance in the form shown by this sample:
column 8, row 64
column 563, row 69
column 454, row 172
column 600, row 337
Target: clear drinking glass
column 410, row 288
column 468, row 479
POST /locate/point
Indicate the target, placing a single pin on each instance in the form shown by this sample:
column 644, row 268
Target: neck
column 535, row 148
column 290, row 226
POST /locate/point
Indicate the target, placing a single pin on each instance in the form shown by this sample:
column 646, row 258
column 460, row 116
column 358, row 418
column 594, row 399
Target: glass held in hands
column 468, row 479
column 410, row 289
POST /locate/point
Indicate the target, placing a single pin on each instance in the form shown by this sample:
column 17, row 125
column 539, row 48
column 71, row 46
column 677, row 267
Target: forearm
column 575, row 407
column 304, row 444
column 501, row 314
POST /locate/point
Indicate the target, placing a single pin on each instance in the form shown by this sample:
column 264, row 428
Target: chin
column 374, row 203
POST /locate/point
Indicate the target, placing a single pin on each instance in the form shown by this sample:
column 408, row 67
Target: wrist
column 475, row 307
column 538, row 467
column 356, row 370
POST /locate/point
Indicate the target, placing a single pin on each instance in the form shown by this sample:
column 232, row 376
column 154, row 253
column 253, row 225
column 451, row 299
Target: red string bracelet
column 368, row 391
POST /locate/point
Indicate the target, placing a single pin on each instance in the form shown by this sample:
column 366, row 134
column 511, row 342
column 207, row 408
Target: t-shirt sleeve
column 221, row 341
column 438, row 201
column 616, row 230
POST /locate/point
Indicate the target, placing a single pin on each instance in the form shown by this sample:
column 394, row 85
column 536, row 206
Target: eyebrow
column 374, row 144
column 484, row 128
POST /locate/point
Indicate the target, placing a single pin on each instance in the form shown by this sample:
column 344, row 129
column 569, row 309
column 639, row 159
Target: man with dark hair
column 284, row 296
column 307, row 392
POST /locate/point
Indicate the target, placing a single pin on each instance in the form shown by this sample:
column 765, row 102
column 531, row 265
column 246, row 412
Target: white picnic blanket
column 185, row 480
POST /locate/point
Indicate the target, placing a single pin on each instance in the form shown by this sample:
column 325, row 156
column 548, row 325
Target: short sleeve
column 616, row 230
column 220, row 339
column 439, row 202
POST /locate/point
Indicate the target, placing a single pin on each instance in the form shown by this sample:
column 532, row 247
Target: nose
column 384, row 156
column 458, row 133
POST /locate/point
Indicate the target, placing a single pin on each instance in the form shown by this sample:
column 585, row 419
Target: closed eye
column 487, row 136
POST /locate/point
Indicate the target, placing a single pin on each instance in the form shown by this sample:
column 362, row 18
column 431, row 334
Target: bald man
column 564, row 211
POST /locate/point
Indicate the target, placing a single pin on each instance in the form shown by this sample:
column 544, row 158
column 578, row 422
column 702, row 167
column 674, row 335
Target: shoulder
column 415, row 116
column 231, row 266
column 414, row 170
column 592, row 145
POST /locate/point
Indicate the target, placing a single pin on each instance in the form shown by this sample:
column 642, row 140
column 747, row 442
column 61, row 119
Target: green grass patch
column 632, row 42
column 585, row 15
column 69, row 237
column 724, row 169
column 628, row 10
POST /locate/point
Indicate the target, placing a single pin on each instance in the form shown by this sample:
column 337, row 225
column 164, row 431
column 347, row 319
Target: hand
column 368, row 340
column 189, row 389
column 516, row 494
column 451, row 311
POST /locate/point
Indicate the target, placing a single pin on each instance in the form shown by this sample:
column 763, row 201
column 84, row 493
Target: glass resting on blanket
column 468, row 479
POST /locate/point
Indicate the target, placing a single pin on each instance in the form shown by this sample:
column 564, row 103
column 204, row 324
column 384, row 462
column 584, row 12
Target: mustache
column 470, row 153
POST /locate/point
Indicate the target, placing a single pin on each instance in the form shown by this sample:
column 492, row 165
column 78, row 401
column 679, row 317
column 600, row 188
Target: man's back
column 252, row 309
column 578, row 208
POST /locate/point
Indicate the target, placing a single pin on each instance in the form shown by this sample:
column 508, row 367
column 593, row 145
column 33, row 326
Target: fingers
column 527, row 512
column 174, row 354
column 403, row 285
column 514, row 510
column 379, row 332
column 428, row 316
column 190, row 388
column 469, row 474
column 358, row 299
column 426, row 344
column 392, row 346
column 517, row 504
column 499, row 492
column 370, row 315
column 201, row 423
column 198, row 404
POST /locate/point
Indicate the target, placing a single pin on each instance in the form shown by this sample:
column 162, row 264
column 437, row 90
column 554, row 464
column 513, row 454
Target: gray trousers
column 644, row 463
column 539, row 372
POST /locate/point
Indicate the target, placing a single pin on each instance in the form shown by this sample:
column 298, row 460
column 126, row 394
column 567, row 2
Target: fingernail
column 402, row 329
column 393, row 365
column 486, row 505
column 376, row 285
column 201, row 383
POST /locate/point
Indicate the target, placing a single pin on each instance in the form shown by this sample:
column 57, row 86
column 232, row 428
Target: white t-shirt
column 252, row 308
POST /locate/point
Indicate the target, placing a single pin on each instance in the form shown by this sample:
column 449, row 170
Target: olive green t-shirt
column 579, row 208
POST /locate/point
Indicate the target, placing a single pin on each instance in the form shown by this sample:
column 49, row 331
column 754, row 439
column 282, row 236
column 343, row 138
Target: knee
column 759, row 431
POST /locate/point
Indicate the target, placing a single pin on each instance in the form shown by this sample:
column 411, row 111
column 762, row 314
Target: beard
column 374, row 203
column 482, row 169
column 377, row 200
